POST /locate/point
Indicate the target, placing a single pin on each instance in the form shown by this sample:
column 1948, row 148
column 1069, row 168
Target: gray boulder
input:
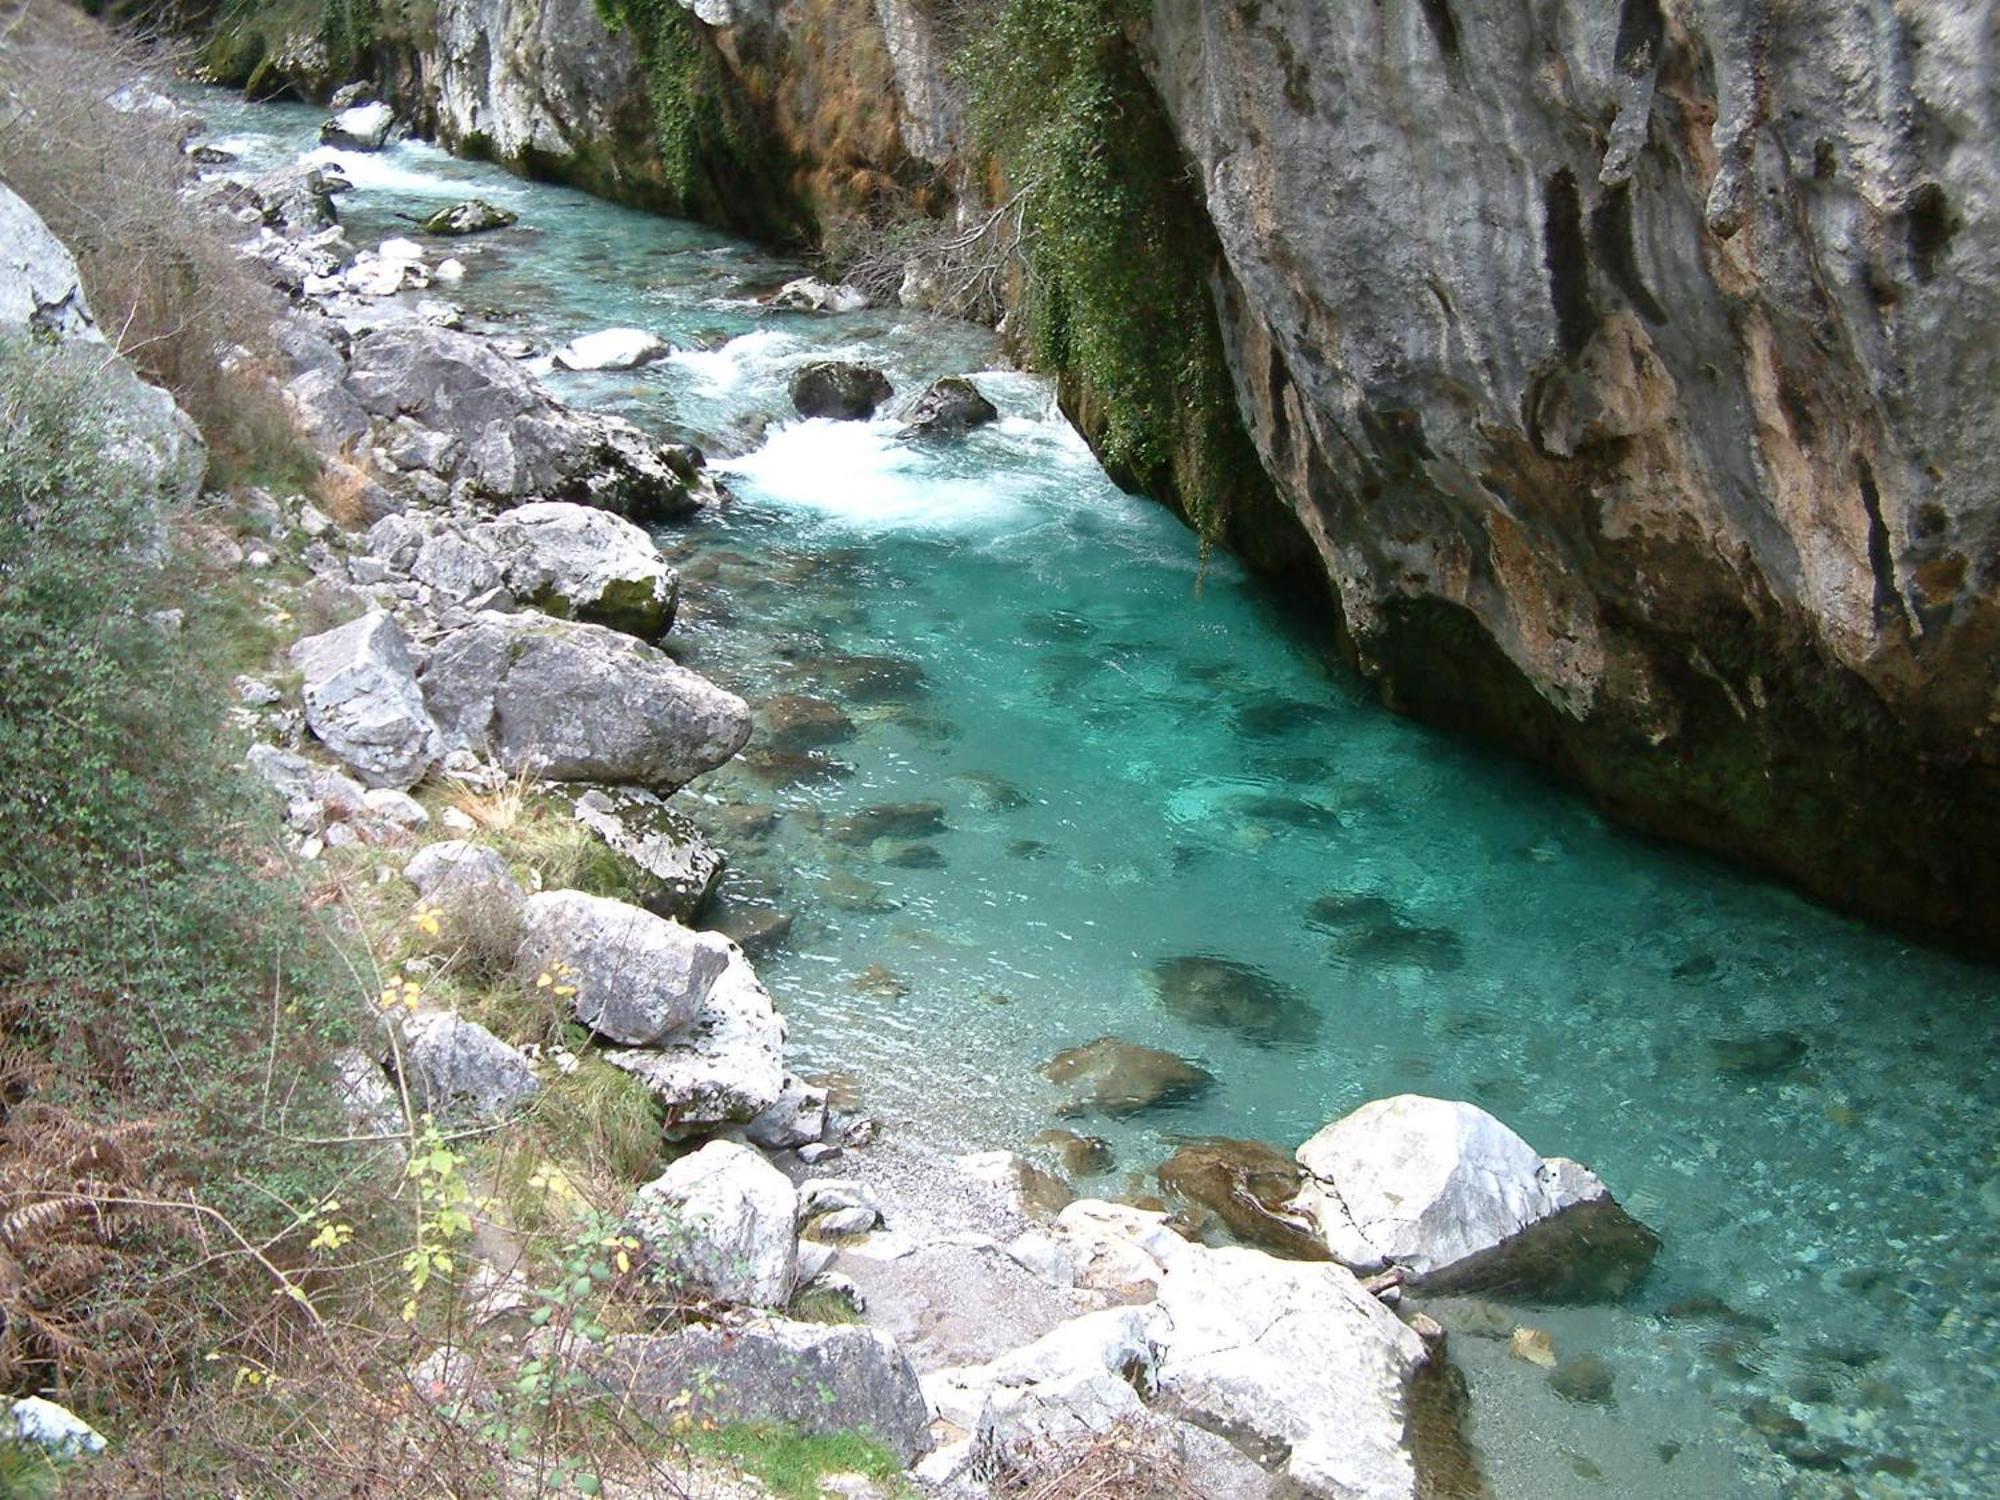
column 727, row 1067
column 952, row 407
column 817, row 1379
column 673, row 868
column 362, row 127
column 457, row 1066
column 722, row 1222
column 636, row 977
column 41, row 295
column 474, row 216
column 363, row 702
column 810, row 294
column 578, row 702
column 1446, row 1191
column 297, row 200
column 838, row 389
column 796, row 1118
column 455, row 864
column 583, row 564
column 514, row 441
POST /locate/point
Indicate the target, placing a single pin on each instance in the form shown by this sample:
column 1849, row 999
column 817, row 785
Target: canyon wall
column 1621, row 377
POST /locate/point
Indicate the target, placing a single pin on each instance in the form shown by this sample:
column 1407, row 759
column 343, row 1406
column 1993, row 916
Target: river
column 1140, row 757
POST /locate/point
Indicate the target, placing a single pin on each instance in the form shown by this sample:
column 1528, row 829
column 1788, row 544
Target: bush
column 148, row 978
column 168, row 289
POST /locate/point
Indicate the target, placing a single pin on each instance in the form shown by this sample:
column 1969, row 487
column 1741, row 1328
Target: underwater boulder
column 1114, row 1077
column 1250, row 1187
column 1229, row 996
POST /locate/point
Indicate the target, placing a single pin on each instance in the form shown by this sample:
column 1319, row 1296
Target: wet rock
column 1123, row 1078
column 879, row 980
column 1772, row 1420
column 457, row 1066
column 1372, row 929
column 473, row 216
column 1079, row 1155
column 612, row 349
column 363, row 703
column 757, row 930
column 1029, row 849
column 1249, row 1186
column 1535, row 1346
column 898, row 820
column 1231, row 996
column 364, row 127
column 576, row 702
column 951, row 408
column 810, row 294
column 875, row 679
column 849, row 892
column 838, row 389
column 1770, row 1054
column 1036, row 1193
column 1446, row 1191
column 809, row 1377
column 916, row 856
column 722, row 1221
column 1585, row 1379
column 793, row 721
column 991, row 793
column 635, row 977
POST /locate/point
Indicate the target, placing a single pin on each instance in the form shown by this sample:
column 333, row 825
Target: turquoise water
column 1136, row 759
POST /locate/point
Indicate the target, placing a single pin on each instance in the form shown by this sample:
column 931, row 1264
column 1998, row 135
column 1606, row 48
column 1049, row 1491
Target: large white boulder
column 1445, row 1190
column 723, row 1220
column 612, row 349
column 363, row 702
column 363, row 127
column 636, row 978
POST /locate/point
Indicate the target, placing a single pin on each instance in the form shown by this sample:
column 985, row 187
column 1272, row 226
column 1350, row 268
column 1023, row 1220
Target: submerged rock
column 1080, row 1155
column 1769, row 1054
column 793, row 721
column 1446, row 1191
column 1251, row 1187
column 1374, row 930
column 951, row 408
column 1231, row 996
column 897, row 820
column 473, row 216
column 838, row 389
column 1123, row 1078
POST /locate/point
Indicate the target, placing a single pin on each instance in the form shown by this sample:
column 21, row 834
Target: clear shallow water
column 1136, row 760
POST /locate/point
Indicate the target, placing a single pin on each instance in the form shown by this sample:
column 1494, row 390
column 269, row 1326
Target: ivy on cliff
column 1116, row 247
column 706, row 138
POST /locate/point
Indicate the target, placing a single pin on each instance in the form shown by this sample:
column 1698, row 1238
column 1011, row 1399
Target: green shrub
column 139, row 953
column 1116, row 245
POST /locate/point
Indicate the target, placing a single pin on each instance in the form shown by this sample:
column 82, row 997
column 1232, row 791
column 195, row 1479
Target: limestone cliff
column 1621, row 373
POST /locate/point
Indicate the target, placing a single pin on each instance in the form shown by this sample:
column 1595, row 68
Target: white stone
column 724, row 1219
column 56, row 1429
column 636, row 978
column 612, row 349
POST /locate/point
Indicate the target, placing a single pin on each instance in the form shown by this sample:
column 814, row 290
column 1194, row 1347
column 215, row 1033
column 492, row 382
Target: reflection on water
column 1038, row 777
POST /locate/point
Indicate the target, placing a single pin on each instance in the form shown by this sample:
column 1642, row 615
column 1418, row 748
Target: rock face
column 635, row 977
column 723, row 1221
column 1666, row 476
column 41, row 295
column 363, row 703
column 579, row 703
column 1446, row 1191
column 814, row 1378
column 502, row 436
column 834, row 388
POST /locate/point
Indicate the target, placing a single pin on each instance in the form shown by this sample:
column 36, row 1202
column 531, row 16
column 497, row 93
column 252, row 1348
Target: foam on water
column 1138, row 757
